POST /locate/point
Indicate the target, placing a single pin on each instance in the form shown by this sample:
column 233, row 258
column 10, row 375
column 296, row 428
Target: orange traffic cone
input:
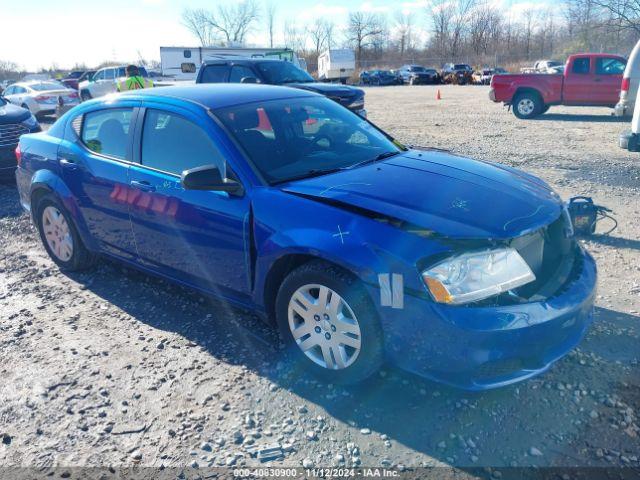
column 438, row 96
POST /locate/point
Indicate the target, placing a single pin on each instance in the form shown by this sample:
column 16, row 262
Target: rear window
column 215, row 74
column 581, row 66
column 106, row 132
column 43, row 87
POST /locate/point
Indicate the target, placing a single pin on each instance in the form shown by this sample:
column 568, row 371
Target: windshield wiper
column 382, row 156
column 310, row 174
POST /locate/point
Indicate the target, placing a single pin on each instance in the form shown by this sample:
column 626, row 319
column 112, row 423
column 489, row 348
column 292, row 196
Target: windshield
column 277, row 73
column 416, row 69
column 42, row 87
column 295, row 138
column 461, row 66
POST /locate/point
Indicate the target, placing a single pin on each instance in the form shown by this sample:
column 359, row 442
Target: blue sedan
column 359, row 249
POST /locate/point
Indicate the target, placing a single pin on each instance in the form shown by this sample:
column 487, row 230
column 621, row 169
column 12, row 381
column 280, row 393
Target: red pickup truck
column 589, row 79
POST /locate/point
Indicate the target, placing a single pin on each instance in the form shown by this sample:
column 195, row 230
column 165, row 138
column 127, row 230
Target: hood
column 10, row 113
column 328, row 89
column 452, row 196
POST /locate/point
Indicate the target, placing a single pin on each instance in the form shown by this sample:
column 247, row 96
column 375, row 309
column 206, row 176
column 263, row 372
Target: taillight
column 18, row 155
column 73, row 95
column 42, row 98
column 626, row 84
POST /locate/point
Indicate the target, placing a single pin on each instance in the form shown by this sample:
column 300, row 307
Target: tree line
column 472, row 31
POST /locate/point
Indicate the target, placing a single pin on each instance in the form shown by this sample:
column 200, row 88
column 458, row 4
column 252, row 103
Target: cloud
column 370, row 7
column 322, row 10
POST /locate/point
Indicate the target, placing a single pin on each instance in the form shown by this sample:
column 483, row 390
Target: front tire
column 60, row 237
column 329, row 323
column 527, row 106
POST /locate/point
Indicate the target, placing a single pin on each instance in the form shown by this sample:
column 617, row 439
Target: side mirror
column 249, row 80
column 209, row 178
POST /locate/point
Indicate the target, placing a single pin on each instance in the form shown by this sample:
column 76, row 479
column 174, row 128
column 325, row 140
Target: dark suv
column 417, row 74
column 14, row 122
column 278, row 72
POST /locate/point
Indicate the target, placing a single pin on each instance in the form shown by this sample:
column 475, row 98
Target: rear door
column 194, row 236
column 94, row 163
column 579, row 85
column 608, row 74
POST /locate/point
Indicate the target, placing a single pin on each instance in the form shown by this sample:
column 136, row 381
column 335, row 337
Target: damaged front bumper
column 483, row 347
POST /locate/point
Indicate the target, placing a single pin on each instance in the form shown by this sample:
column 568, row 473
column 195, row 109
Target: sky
column 40, row 33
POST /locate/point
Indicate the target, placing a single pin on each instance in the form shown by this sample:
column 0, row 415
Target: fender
column 52, row 183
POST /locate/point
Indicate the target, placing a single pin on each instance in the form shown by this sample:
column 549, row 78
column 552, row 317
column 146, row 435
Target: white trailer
column 183, row 63
column 334, row 65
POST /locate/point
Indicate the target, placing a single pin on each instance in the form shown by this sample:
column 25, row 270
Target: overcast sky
column 39, row 33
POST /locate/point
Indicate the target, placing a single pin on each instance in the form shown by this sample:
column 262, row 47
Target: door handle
column 142, row 185
column 68, row 164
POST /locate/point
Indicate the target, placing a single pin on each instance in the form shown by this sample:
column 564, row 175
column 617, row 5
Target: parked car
column 14, row 122
column 630, row 139
column 483, row 77
column 417, row 75
column 278, row 72
column 545, row 66
column 457, row 73
column 380, row 78
column 630, row 82
column 358, row 249
column 40, row 98
column 590, row 79
column 104, row 81
column 74, row 78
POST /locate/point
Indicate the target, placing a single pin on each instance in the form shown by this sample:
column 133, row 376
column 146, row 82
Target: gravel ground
column 112, row 367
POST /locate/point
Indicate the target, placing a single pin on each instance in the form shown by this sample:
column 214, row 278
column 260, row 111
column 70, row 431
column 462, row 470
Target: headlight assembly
column 475, row 276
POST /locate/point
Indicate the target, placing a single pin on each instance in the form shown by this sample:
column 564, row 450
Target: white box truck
column 182, row 63
column 336, row 65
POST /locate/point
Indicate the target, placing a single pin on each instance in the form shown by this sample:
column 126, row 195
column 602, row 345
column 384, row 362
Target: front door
column 579, row 86
column 195, row 236
column 94, row 167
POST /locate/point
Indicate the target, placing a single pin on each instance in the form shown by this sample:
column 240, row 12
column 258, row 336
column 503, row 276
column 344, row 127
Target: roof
column 222, row 95
column 221, row 57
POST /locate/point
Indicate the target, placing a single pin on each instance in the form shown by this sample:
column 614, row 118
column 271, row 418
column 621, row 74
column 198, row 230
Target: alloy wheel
column 324, row 327
column 57, row 233
column 526, row 106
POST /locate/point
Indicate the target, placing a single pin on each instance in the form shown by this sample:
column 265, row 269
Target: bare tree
column 404, row 29
column 295, row 38
column 231, row 22
column 625, row 13
column 197, row 22
column 441, row 14
column 270, row 13
column 365, row 30
column 320, row 33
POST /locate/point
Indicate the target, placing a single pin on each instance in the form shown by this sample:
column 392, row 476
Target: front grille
column 10, row 134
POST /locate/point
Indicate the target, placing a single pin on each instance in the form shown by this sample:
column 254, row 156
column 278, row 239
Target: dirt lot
column 111, row 367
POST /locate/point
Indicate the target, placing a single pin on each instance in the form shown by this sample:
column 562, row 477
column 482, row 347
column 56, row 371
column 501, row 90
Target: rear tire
column 527, row 105
column 85, row 96
column 60, row 236
column 326, row 325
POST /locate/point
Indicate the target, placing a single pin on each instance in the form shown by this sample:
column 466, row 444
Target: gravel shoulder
column 112, row 367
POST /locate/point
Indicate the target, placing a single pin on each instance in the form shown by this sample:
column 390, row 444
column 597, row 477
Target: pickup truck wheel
column 330, row 324
column 527, row 105
column 545, row 109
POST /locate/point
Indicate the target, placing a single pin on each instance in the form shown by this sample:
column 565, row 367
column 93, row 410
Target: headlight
column 475, row 276
column 30, row 122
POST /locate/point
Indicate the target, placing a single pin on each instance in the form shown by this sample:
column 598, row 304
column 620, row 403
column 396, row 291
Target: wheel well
column 279, row 271
column 524, row 90
column 36, row 195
